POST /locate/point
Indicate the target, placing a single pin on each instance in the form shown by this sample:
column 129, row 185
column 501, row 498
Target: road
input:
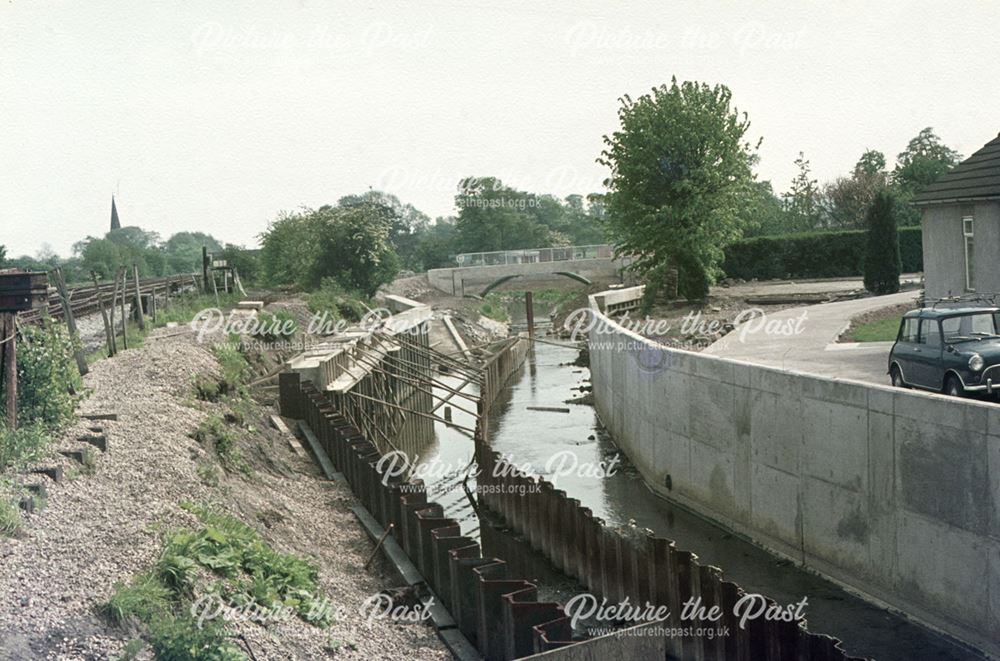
column 803, row 339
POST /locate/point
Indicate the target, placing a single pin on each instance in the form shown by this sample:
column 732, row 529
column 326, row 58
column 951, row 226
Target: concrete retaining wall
column 473, row 279
column 894, row 493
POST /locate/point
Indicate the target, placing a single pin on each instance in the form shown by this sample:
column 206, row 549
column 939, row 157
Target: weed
column 22, row 446
column 131, row 650
column 10, row 517
column 336, row 302
column 143, row 599
column 280, row 325
column 184, row 639
column 494, row 308
column 334, row 645
column 207, row 473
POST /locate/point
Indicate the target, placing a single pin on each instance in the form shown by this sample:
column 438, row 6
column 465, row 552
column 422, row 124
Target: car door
column 928, row 367
column 907, row 349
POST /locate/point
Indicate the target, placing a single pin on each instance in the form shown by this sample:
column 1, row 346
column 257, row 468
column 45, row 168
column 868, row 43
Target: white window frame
column 968, row 235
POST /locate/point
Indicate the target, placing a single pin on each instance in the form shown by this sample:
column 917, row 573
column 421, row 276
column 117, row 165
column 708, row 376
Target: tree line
column 682, row 187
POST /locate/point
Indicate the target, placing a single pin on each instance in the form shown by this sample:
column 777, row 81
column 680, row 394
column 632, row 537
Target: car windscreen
column 973, row 326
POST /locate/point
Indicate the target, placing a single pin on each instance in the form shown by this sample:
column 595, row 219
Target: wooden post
column 108, row 330
column 81, row 360
column 204, row 268
column 529, row 311
column 152, row 304
column 124, row 276
column 138, row 298
column 215, row 287
column 10, row 367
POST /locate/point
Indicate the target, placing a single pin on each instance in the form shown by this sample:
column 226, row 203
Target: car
column 951, row 350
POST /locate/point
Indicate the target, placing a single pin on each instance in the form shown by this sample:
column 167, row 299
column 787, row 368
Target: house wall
column 895, row 493
column 944, row 249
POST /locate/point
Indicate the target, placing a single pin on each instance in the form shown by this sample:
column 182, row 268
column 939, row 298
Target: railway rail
column 83, row 297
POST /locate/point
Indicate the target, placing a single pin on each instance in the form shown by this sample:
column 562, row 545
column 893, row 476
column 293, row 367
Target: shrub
column 22, row 446
column 493, row 307
column 882, row 259
column 143, row 599
column 814, row 255
column 336, row 301
column 184, row 639
column 215, row 434
column 47, row 375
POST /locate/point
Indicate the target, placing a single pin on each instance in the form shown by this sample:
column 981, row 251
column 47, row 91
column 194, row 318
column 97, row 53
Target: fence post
column 108, row 329
column 138, row 298
column 81, row 360
column 10, row 367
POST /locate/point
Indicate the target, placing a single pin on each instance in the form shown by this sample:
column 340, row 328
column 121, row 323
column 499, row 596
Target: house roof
column 975, row 178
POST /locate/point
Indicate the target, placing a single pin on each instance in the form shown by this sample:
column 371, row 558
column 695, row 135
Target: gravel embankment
column 103, row 528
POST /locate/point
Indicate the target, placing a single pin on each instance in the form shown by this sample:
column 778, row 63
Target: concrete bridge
column 536, row 267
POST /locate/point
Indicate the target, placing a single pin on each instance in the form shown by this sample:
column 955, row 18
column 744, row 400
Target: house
column 961, row 227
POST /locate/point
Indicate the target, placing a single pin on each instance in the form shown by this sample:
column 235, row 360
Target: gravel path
column 102, row 528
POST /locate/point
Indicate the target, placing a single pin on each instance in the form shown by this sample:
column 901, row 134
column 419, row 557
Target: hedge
column 813, row 255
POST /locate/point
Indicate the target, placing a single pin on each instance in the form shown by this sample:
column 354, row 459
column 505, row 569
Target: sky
column 216, row 116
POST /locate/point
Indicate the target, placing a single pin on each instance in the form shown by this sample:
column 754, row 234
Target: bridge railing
column 534, row 255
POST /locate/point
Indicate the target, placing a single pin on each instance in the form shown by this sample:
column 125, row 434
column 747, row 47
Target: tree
column 493, row 216
column 3, row 255
column 924, row 160
column 882, row 261
column 848, row 199
column 349, row 244
column 680, row 170
column 763, row 213
column 803, row 202
column 406, row 222
column 182, row 250
column 921, row 163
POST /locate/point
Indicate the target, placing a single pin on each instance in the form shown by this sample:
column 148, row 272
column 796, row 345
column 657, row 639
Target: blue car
column 955, row 351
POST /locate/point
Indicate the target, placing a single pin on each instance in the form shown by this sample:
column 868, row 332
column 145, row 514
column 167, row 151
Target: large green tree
column 183, row 250
column 680, row 171
column 347, row 243
column 924, row 160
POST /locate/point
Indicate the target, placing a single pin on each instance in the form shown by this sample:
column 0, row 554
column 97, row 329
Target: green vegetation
column 10, row 516
column 493, row 307
column 226, row 559
column 680, row 171
column 23, row 446
column 215, row 434
column 47, row 375
column 882, row 330
column 347, row 243
column 813, row 255
column 336, row 302
column 882, row 260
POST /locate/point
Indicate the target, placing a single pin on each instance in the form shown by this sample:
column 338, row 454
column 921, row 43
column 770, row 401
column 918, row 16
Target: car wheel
column 953, row 387
column 897, row 377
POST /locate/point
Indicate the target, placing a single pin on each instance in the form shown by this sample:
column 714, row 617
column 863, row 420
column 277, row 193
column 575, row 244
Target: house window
column 968, row 232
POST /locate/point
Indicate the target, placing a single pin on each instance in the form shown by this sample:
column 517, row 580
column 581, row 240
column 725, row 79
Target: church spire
column 115, row 224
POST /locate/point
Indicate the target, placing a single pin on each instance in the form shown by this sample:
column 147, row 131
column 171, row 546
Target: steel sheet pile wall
column 499, row 368
column 639, row 567
column 499, row 614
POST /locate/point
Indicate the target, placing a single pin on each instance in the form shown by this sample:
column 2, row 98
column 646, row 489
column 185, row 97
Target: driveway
column 804, row 339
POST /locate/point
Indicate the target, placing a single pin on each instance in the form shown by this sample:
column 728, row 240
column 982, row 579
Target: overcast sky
column 215, row 116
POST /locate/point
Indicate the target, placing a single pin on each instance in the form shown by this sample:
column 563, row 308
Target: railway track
column 84, row 297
